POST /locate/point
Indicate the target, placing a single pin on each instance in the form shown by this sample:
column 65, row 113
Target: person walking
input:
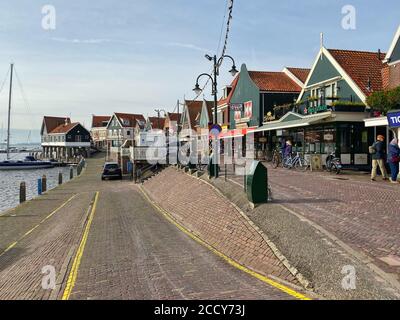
column 378, row 158
column 394, row 160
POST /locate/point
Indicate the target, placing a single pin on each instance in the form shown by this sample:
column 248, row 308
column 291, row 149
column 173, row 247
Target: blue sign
column 394, row 119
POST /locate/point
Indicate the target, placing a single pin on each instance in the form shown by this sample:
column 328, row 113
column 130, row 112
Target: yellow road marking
column 11, row 246
column 31, row 230
column 233, row 263
column 77, row 261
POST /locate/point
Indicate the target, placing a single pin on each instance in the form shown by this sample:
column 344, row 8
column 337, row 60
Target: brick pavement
column 133, row 252
column 215, row 220
column 361, row 213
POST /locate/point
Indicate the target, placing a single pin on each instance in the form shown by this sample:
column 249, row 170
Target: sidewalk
column 361, row 213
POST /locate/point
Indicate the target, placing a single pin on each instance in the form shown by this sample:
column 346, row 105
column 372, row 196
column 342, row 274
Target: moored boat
column 28, row 163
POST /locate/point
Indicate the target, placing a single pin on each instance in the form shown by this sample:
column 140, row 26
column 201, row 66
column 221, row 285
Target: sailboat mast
column 9, row 112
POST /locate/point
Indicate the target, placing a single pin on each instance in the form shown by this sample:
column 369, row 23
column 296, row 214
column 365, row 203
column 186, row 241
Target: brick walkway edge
column 200, row 208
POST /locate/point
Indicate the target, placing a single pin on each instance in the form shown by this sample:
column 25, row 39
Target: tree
column 379, row 101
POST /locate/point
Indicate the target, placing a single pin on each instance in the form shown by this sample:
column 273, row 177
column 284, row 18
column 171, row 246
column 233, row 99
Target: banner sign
column 248, row 109
column 394, row 119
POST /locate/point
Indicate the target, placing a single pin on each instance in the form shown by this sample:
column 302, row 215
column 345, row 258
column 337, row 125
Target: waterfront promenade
column 104, row 240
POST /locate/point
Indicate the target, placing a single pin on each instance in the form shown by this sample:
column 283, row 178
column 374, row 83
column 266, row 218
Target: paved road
column 361, row 213
column 131, row 252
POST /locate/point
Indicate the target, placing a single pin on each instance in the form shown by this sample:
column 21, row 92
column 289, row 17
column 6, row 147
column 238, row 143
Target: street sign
column 394, row 119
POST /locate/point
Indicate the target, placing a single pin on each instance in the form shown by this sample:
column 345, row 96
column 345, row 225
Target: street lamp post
column 214, row 80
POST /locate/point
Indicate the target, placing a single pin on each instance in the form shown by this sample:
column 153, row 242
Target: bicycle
column 297, row 162
column 276, row 158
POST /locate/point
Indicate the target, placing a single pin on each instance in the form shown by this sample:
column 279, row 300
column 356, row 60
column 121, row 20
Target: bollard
column 60, row 178
column 39, row 186
column 71, row 173
column 44, row 183
column 22, row 192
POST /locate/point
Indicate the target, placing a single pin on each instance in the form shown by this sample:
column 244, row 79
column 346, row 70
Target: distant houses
column 99, row 132
column 327, row 108
column 63, row 139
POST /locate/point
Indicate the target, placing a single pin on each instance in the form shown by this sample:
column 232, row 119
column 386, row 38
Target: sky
column 108, row 56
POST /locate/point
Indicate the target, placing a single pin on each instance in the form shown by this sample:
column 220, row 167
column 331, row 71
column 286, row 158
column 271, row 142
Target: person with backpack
column 378, row 158
column 394, row 160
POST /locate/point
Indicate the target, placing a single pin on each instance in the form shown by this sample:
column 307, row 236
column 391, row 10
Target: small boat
column 28, row 163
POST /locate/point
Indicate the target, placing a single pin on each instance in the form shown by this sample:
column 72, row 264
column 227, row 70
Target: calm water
column 10, row 181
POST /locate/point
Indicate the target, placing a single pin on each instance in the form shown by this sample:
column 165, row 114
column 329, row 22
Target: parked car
column 111, row 170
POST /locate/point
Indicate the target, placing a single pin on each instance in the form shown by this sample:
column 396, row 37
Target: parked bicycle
column 276, row 158
column 297, row 162
column 333, row 163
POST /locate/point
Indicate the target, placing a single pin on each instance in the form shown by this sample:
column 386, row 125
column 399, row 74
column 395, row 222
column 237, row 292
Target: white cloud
column 187, row 46
column 81, row 41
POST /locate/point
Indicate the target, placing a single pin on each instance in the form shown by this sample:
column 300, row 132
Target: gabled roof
column 193, row 109
column 301, row 74
column 53, row 122
column 64, row 128
column 156, row 123
column 227, row 100
column 98, row 121
column 128, row 120
column 274, row 81
column 364, row 68
column 396, row 40
column 174, row 116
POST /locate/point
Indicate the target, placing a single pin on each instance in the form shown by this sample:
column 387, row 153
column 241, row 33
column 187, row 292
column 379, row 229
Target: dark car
column 111, row 170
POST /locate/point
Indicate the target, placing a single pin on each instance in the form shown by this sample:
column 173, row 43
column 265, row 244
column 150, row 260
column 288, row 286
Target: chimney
column 379, row 54
column 66, row 121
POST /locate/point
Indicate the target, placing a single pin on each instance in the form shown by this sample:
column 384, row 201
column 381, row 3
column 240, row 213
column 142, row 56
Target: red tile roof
column 274, row 81
column 129, row 119
column 97, row 121
column 300, row 73
column 64, row 128
column 227, row 100
column 386, row 77
column 174, row 116
column 194, row 108
column 53, row 122
column 157, row 123
column 365, row 68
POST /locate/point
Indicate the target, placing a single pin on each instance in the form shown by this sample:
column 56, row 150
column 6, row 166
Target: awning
column 294, row 120
column 235, row 133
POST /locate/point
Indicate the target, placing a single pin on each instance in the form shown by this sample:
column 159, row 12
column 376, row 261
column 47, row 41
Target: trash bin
column 257, row 183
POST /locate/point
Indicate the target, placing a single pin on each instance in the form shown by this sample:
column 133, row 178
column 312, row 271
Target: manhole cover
column 393, row 261
column 344, row 179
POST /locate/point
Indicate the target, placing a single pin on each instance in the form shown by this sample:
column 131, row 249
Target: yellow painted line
column 31, row 230
column 77, row 261
column 233, row 263
column 59, row 208
column 10, row 246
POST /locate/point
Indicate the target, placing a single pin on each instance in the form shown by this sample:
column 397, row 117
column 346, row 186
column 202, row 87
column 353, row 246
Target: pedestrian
column 394, row 160
column 378, row 158
column 288, row 149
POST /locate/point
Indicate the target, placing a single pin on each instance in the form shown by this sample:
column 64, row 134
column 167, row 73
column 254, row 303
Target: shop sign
column 311, row 110
column 238, row 115
column 394, row 119
column 328, row 137
column 248, row 109
column 263, row 140
column 236, row 106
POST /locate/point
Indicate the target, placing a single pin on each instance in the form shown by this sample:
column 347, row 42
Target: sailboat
column 29, row 162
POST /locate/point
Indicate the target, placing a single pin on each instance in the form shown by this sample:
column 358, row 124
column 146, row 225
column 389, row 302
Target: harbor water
column 10, row 182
